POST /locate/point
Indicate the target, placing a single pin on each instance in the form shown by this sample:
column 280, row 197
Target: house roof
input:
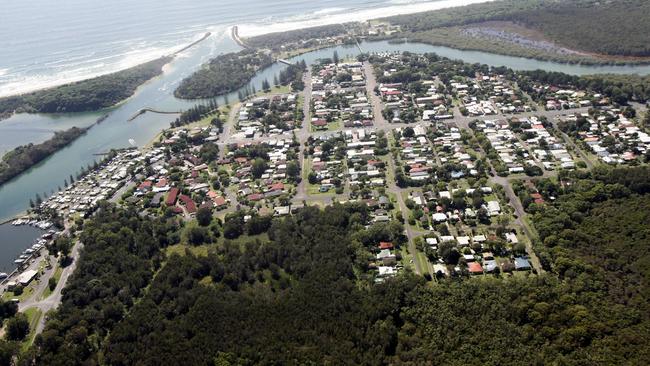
column 522, row 263
column 385, row 245
column 190, row 206
column 219, row 201
column 255, row 197
column 474, row 267
column 171, row 197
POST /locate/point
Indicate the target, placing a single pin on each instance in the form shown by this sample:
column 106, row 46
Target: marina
column 20, row 244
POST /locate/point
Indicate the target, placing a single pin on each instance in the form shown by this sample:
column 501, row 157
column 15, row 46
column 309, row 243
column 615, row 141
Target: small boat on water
column 19, row 261
column 3, row 275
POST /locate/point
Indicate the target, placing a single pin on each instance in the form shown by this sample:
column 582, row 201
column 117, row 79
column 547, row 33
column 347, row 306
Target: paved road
column 377, row 106
column 514, row 201
column 393, row 188
column 125, row 187
column 303, row 135
column 52, row 301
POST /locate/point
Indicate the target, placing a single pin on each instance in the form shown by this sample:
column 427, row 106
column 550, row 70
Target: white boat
column 3, row 275
column 19, row 261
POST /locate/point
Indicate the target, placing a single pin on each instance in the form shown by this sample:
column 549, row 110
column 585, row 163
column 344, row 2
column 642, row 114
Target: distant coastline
column 4, row 114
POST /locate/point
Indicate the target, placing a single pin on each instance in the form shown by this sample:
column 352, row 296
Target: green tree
column 259, row 166
column 198, row 235
column 266, row 86
column 17, row 327
column 204, row 215
column 209, row 152
column 293, row 170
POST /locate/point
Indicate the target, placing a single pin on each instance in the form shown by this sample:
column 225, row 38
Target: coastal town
column 315, row 186
column 434, row 144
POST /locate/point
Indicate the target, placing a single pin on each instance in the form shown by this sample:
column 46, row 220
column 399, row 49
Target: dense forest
column 297, row 295
column 120, row 255
column 618, row 28
column 87, row 95
column 24, row 157
column 613, row 28
column 223, row 74
column 621, row 88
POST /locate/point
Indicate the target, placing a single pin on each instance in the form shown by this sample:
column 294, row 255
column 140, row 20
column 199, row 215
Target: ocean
column 44, row 43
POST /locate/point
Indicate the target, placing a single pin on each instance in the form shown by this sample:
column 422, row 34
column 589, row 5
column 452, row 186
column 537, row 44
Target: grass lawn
column 423, row 262
column 57, row 276
column 314, row 190
column 305, row 169
column 334, row 126
column 407, row 258
column 245, row 238
column 27, row 292
column 200, row 250
column 33, row 316
column 278, row 89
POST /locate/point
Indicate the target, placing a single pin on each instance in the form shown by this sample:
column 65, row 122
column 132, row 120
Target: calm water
column 15, row 239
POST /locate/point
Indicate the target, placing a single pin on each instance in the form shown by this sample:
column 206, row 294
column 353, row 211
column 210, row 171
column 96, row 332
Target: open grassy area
column 33, row 316
column 27, row 292
column 180, row 249
column 423, row 262
column 57, row 276
column 278, row 89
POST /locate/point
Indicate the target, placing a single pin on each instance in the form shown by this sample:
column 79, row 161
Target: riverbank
column 24, row 157
column 454, row 38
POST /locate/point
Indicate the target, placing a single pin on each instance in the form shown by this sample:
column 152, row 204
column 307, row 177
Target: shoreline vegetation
column 22, row 158
column 223, row 74
column 506, row 27
column 87, row 95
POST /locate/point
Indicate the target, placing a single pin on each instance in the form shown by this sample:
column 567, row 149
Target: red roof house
column 190, row 206
column 474, row 268
column 171, row 197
